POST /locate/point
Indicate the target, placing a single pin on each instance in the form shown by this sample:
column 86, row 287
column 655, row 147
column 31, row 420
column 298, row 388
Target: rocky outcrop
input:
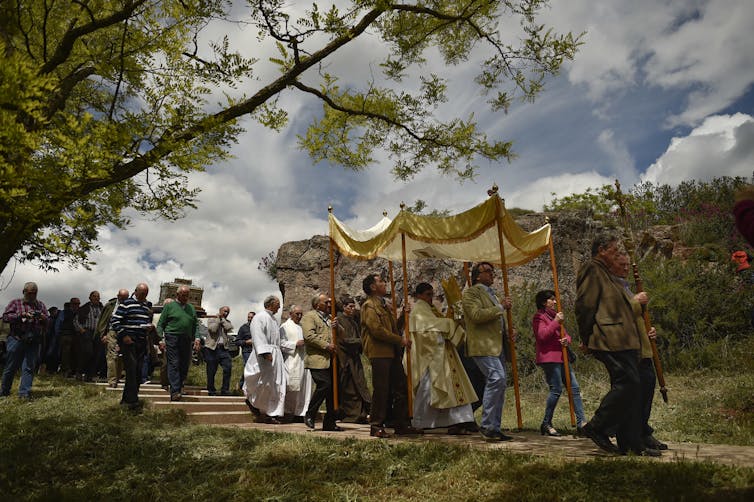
column 303, row 267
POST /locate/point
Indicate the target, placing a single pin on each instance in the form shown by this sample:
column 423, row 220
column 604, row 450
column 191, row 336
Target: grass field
column 72, row 442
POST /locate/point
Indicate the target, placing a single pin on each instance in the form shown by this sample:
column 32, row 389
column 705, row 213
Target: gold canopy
column 467, row 236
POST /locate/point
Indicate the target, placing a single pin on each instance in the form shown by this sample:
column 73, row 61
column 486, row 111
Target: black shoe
column 333, row 428
column 548, row 430
column 407, row 430
column 272, row 420
column 599, row 438
column 211, row 393
column 472, row 427
column 493, row 436
column 254, row 410
column 175, row 397
column 653, row 443
column 309, row 422
column 225, row 393
column 378, row 432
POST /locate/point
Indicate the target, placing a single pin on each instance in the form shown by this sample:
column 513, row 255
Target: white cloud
column 536, row 194
column 722, row 145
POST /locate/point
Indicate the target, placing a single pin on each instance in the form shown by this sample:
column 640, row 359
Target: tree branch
column 73, row 34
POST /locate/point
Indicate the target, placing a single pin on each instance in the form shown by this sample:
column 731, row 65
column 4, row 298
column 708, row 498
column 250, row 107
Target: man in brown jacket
column 384, row 348
column 317, row 329
column 607, row 328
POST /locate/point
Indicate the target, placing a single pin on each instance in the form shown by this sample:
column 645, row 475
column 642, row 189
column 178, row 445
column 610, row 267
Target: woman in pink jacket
column 546, row 325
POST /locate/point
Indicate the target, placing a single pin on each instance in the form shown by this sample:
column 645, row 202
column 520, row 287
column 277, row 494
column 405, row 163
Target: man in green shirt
column 177, row 330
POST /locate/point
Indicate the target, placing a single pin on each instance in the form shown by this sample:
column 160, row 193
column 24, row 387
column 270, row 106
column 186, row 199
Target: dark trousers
column 322, row 393
column 619, row 410
column 68, row 354
column 245, row 356
column 389, row 392
column 648, row 380
column 133, row 360
column 83, row 345
column 178, row 350
column 98, row 365
column 213, row 359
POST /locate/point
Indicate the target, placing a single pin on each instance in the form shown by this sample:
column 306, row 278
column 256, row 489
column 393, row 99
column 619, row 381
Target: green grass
column 73, row 442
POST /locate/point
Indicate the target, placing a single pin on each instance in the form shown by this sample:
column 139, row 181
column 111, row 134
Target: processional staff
column 334, row 358
column 406, row 333
column 509, row 315
column 566, row 362
column 629, row 244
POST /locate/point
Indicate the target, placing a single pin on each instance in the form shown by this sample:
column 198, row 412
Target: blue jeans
column 555, row 377
column 493, row 369
column 18, row 352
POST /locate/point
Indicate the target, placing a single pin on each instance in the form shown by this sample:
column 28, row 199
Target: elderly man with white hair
column 265, row 373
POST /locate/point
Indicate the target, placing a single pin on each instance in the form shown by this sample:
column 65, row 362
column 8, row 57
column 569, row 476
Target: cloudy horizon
column 659, row 92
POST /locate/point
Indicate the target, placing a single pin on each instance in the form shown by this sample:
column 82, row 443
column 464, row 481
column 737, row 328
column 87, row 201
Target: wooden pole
column 392, row 288
column 406, row 332
column 566, row 362
column 467, row 273
column 334, row 356
column 629, row 245
column 509, row 315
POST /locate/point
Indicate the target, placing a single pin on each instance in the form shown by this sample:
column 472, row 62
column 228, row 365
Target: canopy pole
column 509, row 315
column 334, row 357
column 566, row 362
column 392, row 288
column 467, row 273
column 406, row 333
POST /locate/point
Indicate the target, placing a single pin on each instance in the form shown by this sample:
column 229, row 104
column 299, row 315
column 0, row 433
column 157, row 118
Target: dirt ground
column 531, row 442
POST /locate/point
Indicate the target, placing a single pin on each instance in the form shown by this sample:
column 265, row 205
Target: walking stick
column 628, row 241
column 509, row 315
column 566, row 362
column 334, row 356
column 406, row 333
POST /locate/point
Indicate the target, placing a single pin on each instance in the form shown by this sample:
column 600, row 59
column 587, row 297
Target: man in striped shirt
column 132, row 321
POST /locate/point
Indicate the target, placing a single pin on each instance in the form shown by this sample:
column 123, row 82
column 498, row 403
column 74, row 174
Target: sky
column 660, row 91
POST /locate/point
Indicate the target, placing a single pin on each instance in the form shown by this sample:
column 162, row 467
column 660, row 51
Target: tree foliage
column 108, row 105
column 701, row 209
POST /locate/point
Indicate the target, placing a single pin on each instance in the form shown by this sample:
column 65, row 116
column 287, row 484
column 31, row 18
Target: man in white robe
column 443, row 392
column 265, row 373
column 299, row 388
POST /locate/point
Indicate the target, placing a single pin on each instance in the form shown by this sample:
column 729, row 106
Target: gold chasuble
column 434, row 341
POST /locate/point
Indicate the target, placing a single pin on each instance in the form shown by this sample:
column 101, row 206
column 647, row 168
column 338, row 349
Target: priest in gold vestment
column 442, row 391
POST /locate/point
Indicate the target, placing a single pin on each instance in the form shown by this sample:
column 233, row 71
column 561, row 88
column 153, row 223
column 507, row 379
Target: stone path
column 231, row 411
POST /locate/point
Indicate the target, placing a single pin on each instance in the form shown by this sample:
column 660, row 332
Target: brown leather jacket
column 379, row 332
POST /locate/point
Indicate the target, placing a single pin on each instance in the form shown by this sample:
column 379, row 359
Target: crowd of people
column 458, row 362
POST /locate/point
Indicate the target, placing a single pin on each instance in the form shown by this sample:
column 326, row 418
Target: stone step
column 155, row 397
column 204, row 406
column 225, row 418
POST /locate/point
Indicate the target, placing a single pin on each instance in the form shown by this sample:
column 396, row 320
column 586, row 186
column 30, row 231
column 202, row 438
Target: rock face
column 303, row 267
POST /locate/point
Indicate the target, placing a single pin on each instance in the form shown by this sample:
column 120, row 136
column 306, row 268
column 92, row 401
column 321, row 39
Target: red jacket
column 547, row 335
